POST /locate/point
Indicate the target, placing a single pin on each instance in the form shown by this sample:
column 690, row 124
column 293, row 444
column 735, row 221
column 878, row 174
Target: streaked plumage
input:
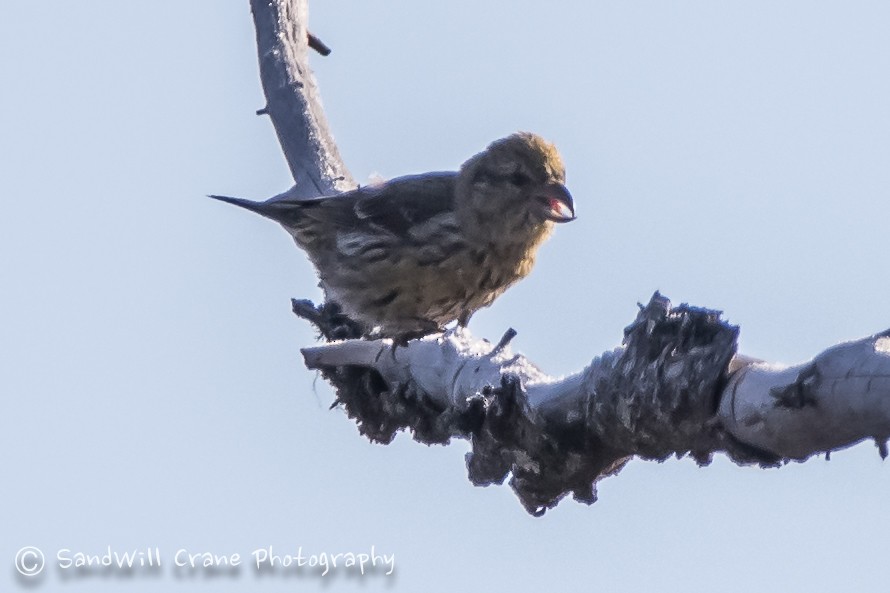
column 408, row 256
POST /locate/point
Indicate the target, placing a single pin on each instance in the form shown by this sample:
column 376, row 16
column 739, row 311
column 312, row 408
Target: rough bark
column 675, row 386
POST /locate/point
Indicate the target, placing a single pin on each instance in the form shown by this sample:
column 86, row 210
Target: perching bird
column 405, row 257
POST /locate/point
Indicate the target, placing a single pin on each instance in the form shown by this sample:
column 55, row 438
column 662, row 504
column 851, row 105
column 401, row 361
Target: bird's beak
column 557, row 202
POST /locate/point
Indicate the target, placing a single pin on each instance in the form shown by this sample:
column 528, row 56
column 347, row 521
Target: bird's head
column 521, row 177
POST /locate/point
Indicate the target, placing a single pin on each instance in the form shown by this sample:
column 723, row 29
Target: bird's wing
column 397, row 206
column 406, row 202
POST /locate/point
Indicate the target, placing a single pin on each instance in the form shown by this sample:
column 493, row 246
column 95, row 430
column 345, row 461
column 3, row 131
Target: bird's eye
column 520, row 179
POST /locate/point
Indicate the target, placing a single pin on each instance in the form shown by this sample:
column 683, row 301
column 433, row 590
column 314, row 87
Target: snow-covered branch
column 675, row 386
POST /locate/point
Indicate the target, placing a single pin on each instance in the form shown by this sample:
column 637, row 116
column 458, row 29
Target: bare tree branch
column 837, row 399
column 666, row 391
column 292, row 99
column 654, row 396
column 676, row 386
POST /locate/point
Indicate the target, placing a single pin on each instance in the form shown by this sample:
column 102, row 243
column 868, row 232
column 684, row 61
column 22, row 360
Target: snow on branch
column 676, row 385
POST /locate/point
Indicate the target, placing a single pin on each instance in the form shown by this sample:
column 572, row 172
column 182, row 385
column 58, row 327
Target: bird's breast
column 430, row 277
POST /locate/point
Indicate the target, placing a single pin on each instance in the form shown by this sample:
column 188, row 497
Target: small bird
column 405, row 257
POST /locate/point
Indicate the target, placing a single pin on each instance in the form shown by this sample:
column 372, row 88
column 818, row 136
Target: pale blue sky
column 730, row 154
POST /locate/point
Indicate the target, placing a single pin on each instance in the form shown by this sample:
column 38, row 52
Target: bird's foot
column 329, row 318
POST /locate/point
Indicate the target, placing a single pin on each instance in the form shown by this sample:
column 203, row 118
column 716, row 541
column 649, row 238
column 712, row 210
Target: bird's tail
column 280, row 211
column 258, row 207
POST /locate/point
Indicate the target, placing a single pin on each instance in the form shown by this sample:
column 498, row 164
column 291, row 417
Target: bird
column 406, row 257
